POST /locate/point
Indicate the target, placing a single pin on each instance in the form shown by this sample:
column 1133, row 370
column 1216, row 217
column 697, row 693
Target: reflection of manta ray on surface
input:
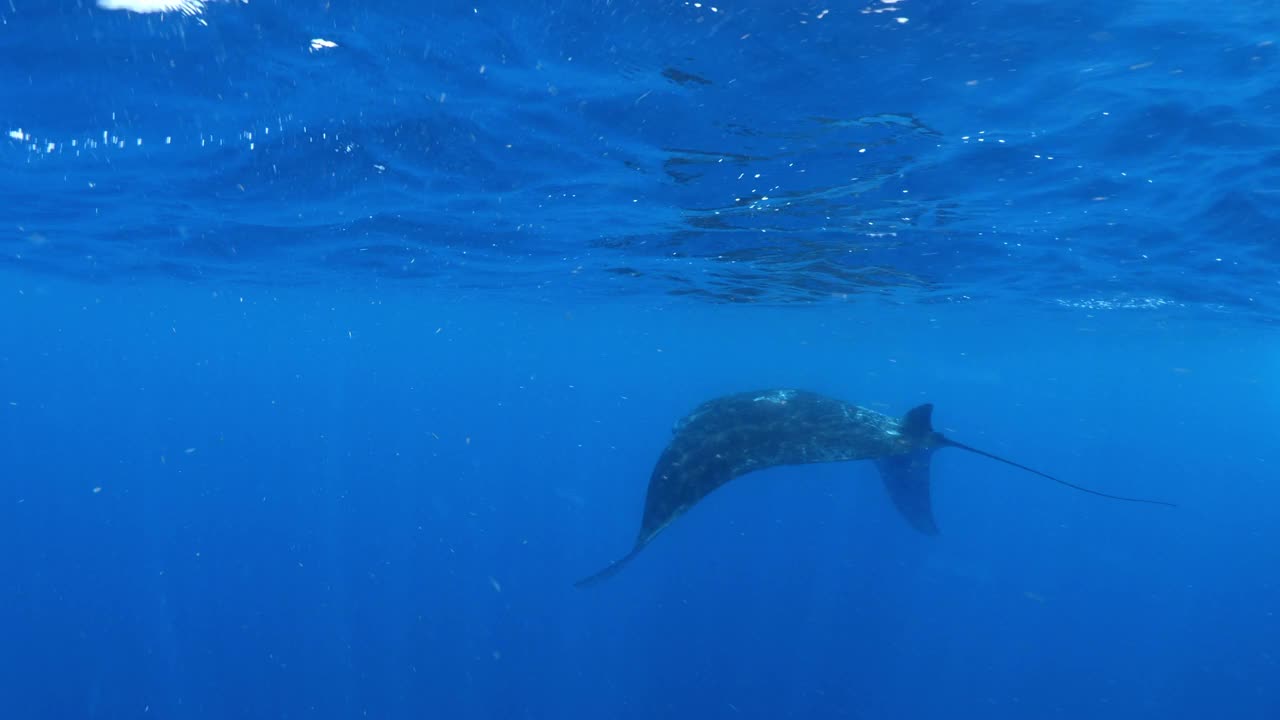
column 737, row 434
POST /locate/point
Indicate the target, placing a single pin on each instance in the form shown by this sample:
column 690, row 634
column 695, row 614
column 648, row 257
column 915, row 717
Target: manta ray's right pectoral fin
column 906, row 478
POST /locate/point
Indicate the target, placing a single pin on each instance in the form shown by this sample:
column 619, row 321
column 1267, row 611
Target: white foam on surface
column 186, row 7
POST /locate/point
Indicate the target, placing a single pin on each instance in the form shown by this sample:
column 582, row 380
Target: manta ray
column 733, row 435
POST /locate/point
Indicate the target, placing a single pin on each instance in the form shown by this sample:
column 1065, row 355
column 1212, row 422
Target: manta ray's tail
column 906, row 477
column 611, row 568
column 952, row 443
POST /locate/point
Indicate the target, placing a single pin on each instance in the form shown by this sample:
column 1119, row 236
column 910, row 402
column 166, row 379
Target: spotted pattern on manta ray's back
column 733, row 435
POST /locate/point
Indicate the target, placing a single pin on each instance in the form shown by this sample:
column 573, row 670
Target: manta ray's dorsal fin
column 918, row 422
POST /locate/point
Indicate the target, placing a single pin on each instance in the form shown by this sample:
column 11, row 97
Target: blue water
column 337, row 340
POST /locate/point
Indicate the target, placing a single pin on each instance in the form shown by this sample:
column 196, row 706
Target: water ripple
column 776, row 154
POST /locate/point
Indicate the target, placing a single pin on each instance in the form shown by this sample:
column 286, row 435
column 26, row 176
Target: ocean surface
column 339, row 339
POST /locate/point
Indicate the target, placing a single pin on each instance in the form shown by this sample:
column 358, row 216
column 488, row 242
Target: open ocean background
column 338, row 339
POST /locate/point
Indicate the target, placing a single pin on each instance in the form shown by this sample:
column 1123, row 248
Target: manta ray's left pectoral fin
column 906, row 478
column 612, row 568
